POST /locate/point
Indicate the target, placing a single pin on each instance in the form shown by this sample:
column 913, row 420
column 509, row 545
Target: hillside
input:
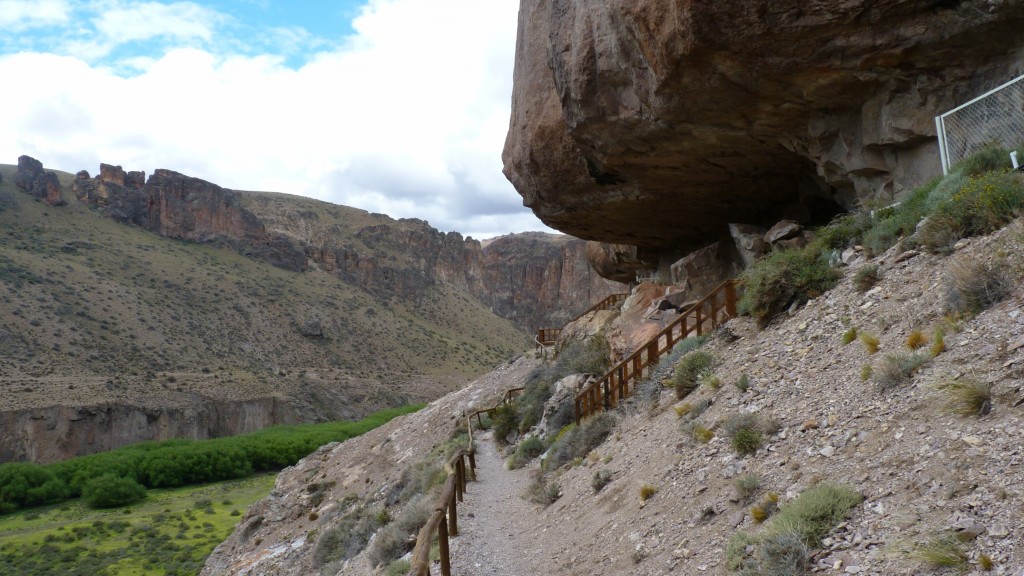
column 923, row 470
column 112, row 334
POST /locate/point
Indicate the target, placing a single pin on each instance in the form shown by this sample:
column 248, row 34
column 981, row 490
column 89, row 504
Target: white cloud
column 17, row 15
column 408, row 118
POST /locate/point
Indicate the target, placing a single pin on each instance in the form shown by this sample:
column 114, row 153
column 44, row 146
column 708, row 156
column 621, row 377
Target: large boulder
column 654, row 124
column 32, row 179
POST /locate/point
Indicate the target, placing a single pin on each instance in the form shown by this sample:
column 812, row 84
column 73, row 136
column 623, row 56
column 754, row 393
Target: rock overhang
column 657, row 124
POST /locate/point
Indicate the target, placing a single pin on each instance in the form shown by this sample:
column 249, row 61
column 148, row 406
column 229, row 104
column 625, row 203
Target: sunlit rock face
column 657, row 123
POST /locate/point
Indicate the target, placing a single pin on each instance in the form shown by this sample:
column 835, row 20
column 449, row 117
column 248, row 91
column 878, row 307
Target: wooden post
column 453, row 517
column 442, row 544
column 472, row 465
column 577, row 411
column 458, row 479
column 699, row 321
column 730, row 299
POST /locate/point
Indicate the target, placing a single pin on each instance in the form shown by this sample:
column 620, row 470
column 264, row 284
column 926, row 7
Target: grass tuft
column 968, row 397
column 945, row 551
column 870, row 342
column 743, row 384
column 974, row 285
column 692, row 368
column 938, row 342
column 647, row 491
column 866, row 277
column 600, row 479
column 850, row 335
column 916, row 339
column 747, row 485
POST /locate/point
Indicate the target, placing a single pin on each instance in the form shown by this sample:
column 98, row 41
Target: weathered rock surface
column 541, row 280
column 32, row 179
column 655, row 124
column 618, row 262
column 56, row 432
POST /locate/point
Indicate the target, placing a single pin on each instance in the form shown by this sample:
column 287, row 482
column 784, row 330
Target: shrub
column 693, row 367
column 897, row 368
column 683, row 409
column 346, row 537
column 743, row 384
column 399, row 568
column 646, row 491
column 973, row 286
column 543, row 492
column 850, row 335
column 989, row 159
column 762, row 511
column 578, row 441
column 968, row 397
column 700, row 432
column 870, row 342
column 396, row 538
column 600, row 479
column 711, row 381
column 844, row 231
column 984, row 203
column 785, row 276
column 527, row 450
column 744, row 430
column 866, row 277
column 111, row 491
column 916, row 339
column 506, row 421
column 747, row 485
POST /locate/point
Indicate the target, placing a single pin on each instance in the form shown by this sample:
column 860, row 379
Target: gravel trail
column 496, row 525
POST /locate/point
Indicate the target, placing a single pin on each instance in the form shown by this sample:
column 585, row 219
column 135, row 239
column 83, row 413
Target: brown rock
column 699, row 272
column 749, row 242
column 617, row 262
column 28, row 169
column 783, row 230
column 31, row 178
column 654, row 124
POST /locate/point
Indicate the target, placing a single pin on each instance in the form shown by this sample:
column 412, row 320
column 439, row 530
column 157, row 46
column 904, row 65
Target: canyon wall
column 57, row 432
column 656, row 124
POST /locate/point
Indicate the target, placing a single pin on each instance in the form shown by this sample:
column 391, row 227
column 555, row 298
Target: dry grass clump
column 968, row 397
column 897, row 368
column 938, row 342
column 850, row 335
column 543, row 492
column 870, row 342
column 944, row 551
column 743, row 384
column 397, row 537
column 985, row 562
column 974, row 285
column 865, row 372
column 762, row 511
column 646, row 491
column 916, row 339
column 866, row 277
column 700, row 433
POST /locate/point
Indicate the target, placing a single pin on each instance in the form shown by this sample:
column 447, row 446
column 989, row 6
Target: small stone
column 906, row 256
column 827, row 451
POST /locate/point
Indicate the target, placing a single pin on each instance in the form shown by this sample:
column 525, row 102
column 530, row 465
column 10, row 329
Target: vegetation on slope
column 979, row 196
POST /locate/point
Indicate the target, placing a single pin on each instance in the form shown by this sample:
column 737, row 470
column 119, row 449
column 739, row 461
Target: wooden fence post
column 453, row 517
column 442, row 545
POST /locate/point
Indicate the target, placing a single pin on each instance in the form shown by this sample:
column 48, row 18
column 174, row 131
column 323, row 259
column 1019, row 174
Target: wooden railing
column 444, row 520
column 548, row 336
column 620, row 382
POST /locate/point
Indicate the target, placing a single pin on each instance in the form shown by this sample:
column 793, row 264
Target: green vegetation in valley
column 175, row 463
column 170, row 533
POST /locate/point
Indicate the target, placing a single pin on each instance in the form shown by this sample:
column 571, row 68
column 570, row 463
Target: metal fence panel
column 994, row 117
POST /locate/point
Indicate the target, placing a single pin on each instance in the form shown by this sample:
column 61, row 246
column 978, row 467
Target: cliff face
column 541, row 280
column 56, row 432
column 655, row 124
column 534, row 279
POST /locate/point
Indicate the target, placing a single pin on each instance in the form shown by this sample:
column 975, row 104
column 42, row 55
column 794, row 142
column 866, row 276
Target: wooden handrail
column 548, row 336
column 620, row 382
column 444, row 520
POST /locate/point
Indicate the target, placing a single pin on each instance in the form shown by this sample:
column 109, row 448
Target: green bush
column 690, row 370
column 785, row 276
column 527, row 450
column 578, row 441
column 983, row 204
column 398, row 537
column 175, row 463
column 111, row 491
column 781, row 549
column 347, row 536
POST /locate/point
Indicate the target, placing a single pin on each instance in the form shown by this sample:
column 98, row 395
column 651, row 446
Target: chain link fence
column 994, row 117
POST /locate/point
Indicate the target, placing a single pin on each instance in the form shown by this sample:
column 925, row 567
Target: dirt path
column 497, row 527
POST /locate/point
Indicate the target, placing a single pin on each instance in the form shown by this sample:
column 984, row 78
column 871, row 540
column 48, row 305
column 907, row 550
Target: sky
column 393, row 106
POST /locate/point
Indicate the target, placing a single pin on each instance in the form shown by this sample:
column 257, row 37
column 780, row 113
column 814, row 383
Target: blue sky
column 394, row 106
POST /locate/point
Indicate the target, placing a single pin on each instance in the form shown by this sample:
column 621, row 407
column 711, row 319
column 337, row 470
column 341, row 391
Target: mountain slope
column 111, row 334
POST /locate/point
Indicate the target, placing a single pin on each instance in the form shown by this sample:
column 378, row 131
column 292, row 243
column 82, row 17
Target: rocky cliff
column 656, row 124
column 535, row 279
column 52, row 433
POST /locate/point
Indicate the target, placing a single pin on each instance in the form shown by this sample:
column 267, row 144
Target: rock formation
column 31, row 178
column 540, row 280
column 656, row 124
